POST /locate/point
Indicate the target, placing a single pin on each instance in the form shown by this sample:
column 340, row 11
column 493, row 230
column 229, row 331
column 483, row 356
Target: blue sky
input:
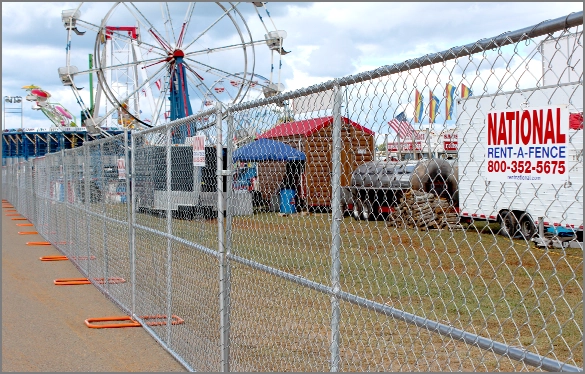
column 327, row 39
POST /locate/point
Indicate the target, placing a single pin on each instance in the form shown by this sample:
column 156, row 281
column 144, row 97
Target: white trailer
column 524, row 202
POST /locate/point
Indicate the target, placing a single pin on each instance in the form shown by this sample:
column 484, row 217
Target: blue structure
column 267, row 150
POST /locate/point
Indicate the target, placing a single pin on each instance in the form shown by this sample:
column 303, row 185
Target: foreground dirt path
column 43, row 325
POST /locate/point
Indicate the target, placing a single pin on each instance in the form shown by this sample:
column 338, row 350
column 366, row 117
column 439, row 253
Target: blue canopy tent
column 267, row 150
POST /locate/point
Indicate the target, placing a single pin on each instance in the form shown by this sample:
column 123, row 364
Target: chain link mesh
column 302, row 233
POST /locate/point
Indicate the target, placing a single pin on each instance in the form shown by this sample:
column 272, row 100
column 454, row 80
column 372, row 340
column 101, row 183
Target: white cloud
column 328, row 39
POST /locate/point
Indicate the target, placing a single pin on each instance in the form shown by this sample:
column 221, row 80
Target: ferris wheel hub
column 178, row 53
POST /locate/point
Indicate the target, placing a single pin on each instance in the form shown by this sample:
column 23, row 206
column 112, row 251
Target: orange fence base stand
column 20, row 219
column 53, row 258
column 132, row 322
column 77, row 281
column 24, row 224
column 27, row 233
column 89, row 322
column 38, row 243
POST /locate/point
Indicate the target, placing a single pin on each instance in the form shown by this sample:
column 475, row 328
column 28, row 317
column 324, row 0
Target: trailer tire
column 527, row 227
column 357, row 210
column 508, row 224
column 367, row 211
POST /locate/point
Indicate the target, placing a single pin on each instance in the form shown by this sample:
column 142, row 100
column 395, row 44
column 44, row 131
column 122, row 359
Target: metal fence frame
column 20, row 186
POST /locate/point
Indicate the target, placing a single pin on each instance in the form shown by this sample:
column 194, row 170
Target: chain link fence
column 385, row 221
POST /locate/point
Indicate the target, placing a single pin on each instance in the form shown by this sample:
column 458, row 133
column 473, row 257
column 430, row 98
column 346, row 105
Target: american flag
column 401, row 126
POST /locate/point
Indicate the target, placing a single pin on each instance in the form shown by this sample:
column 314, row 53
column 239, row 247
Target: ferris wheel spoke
column 152, row 29
column 201, row 83
column 186, row 23
column 224, row 48
column 224, row 74
column 225, row 13
column 131, row 94
column 167, row 18
column 119, row 66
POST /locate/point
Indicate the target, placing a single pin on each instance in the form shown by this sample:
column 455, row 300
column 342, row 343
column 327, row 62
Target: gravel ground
column 43, row 325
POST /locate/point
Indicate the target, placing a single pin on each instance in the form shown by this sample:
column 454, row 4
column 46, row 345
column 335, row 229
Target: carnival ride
column 56, row 112
column 152, row 70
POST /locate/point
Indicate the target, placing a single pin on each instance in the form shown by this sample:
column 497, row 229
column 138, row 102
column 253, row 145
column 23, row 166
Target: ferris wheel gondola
column 151, row 69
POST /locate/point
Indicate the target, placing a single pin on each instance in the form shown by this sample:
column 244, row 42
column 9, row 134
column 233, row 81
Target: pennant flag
column 158, row 84
column 418, row 107
column 402, row 127
column 450, row 100
column 465, row 91
column 433, row 107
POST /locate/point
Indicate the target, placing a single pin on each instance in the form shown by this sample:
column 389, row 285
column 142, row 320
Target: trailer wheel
column 508, row 224
column 527, row 227
column 357, row 210
column 367, row 211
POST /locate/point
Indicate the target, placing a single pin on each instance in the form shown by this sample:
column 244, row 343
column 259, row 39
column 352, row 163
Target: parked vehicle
column 532, row 192
column 377, row 186
column 193, row 190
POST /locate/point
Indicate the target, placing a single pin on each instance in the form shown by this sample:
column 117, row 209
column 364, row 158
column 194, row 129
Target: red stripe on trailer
column 385, row 209
column 546, row 223
column 465, row 213
column 556, row 224
column 474, row 215
column 482, row 215
column 492, row 217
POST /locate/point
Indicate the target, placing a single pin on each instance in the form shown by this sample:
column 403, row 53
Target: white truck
column 521, row 163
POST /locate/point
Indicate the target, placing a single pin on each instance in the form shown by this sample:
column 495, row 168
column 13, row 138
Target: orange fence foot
column 24, row 224
column 89, row 322
column 11, row 210
column 38, row 243
column 53, row 258
column 175, row 320
column 77, row 281
column 71, row 281
column 132, row 322
column 27, row 233
column 20, row 219
column 12, row 214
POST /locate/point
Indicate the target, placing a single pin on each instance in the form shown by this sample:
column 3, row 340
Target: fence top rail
column 179, row 121
column 511, row 37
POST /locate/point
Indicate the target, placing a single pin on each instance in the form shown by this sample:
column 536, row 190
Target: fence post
column 129, row 210
column 224, row 321
column 87, row 188
column 169, row 232
column 336, row 217
column 132, row 223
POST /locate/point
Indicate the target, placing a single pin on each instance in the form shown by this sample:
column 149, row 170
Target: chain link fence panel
column 423, row 216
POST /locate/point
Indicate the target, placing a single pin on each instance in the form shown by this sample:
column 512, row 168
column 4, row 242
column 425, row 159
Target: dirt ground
column 43, row 327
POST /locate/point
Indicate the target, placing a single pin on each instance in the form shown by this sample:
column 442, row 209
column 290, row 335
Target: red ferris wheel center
column 178, row 53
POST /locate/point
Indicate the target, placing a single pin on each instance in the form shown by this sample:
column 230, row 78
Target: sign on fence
column 121, row 168
column 527, row 145
column 199, row 150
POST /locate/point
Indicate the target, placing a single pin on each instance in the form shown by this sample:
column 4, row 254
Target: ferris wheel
column 155, row 62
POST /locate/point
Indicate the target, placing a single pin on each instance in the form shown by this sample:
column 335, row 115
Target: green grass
column 507, row 290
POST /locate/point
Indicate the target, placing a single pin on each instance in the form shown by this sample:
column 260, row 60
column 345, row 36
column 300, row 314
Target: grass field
column 503, row 289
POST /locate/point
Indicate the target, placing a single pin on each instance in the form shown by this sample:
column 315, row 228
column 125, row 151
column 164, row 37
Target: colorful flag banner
column 433, row 107
column 401, row 126
column 449, row 101
column 465, row 91
column 418, row 107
